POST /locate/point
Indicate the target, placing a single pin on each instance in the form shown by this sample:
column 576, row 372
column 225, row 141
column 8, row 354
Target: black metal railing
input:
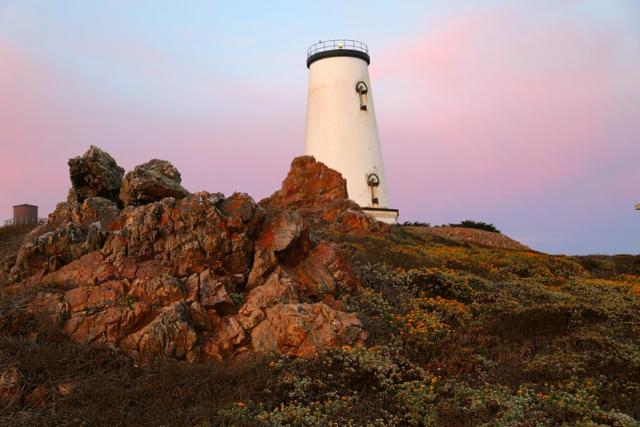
column 326, row 45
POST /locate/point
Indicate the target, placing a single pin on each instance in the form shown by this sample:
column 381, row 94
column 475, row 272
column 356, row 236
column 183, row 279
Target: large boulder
column 95, row 174
column 151, row 182
column 319, row 193
column 302, row 330
column 308, row 184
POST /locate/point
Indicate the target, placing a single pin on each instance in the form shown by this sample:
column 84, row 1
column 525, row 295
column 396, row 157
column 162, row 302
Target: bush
column 416, row 224
column 467, row 223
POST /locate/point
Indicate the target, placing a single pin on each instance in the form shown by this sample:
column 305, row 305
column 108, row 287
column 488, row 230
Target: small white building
column 341, row 127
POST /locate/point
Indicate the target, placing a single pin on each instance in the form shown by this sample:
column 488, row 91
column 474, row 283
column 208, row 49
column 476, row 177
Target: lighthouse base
column 386, row 215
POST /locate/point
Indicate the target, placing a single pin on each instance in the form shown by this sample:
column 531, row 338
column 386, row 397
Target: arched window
column 362, row 89
column 373, row 181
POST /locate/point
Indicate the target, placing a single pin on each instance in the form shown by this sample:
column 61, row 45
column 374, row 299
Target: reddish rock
column 302, row 330
column 355, row 220
column 212, row 293
column 155, row 287
column 151, row 182
column 165, row 278
column 95, row 174
column 284, row 239
column 86, row 270
column 50, row 306
column 309, row 184
column 38, row 397
column 66, row 389
column 100, row 210
column 319, row 193
column 225, row 339
column 169, row 334
column 88, row 297
column 11, row 383
column 278, row 288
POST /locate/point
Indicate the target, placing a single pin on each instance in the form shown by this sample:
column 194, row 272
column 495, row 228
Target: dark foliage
column 416, row 224
column 467, row 223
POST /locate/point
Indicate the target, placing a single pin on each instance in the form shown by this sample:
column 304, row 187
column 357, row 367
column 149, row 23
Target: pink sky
column 525, row 115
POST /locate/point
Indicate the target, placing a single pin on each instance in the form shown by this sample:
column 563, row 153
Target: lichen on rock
column 146, row 267
column 150, row 182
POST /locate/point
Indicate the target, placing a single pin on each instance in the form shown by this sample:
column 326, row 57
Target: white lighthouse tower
column 341, row 122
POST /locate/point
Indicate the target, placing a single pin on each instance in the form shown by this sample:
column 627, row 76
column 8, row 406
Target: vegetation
column 467, row 223
column 11, row 238
column 416, row 224
column 458, row 335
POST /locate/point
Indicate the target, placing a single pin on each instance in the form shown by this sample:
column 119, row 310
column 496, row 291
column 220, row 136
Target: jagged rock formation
column 319, row 193
column 151, row 182
column 95, row 174
column 195, row 276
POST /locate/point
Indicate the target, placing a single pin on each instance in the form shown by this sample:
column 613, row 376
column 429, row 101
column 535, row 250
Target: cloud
column 505, row 108
column 49, row 112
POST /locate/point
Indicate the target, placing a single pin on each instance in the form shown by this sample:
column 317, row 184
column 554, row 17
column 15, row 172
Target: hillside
column 411, row 327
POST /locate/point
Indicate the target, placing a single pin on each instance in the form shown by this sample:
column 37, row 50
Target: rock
column 184, row 236
column 38, row 397
column 52, row 306
column 284, row 239
column 72, row 230
column 226, row 338
column 169, row 334
column 319, row 194
column 302, row 330
column 278, row 288
column 309, row 184
column 212, row 293
column 95, row 174
column 49, row 251
column 151, row 182
column 99, row 210
column 191, row 276
column 11, row 383
column 66, row 389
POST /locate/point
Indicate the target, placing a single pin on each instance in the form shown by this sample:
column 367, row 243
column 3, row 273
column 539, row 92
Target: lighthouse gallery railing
column 326, row 45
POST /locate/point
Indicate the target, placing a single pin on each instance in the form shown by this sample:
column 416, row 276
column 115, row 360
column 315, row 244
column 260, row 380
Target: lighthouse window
column 362, row 89
column 374, row 182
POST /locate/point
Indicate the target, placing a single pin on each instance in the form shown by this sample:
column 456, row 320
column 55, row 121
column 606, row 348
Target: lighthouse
column 341, row 129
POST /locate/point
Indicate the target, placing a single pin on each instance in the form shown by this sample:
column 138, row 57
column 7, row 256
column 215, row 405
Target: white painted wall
column 339, row 133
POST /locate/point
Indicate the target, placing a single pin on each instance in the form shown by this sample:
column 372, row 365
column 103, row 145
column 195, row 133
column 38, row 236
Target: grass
column 11, row 238
column 459, row 335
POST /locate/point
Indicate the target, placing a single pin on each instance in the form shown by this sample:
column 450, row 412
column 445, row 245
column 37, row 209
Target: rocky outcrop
column 319, row 194
column 95, row 174
column 310, row 184
column 200, row 277
column 151, row 182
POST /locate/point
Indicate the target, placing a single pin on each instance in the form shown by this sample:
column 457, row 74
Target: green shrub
column 467, row 223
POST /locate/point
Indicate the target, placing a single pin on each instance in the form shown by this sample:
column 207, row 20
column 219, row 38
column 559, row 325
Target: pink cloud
column 503, row 107
column 48, row 115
